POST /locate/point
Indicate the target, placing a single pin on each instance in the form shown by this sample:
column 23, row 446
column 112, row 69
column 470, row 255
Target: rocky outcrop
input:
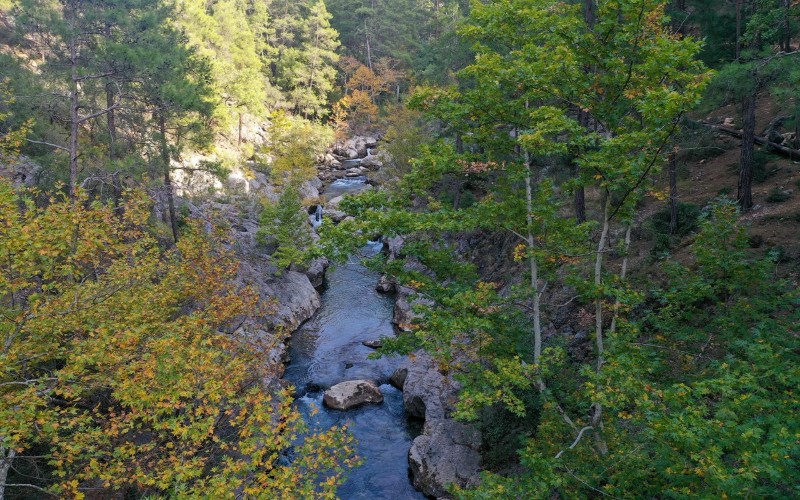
column 310, row 190
column 289, row 296
column 426, row 392
column 21, row 171
column 445, row 454
column 355, row 147
column 351, row 394
column 385, row 285
column 404, row 316
column 316, row 271
column 398, row 378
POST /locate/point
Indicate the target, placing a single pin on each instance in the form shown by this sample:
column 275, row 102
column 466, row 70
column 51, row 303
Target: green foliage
column 404, row 138
column 295, row 144
column 778, row 195
column 287, row 224
column 114, row 375
column 699, row 389
column 658, row 225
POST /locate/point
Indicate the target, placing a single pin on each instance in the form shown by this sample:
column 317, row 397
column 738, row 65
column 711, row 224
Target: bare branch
column 102, row 112
column 32, row 486
column 62, row 148
column 577, row 440
column 94, row 77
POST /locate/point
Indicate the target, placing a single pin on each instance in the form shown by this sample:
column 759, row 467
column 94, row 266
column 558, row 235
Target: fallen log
column 792, row 154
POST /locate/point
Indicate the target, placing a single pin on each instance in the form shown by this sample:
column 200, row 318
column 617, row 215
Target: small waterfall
column 316, row 219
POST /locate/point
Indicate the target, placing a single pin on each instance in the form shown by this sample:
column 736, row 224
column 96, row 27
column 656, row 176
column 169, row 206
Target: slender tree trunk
column 745, row 187
column 369, row 51
column 165, row 159
column 6, row 457
column 786, row 41
column 738, row 28
column 534, row 270
column 589, row 13
column 590, row 17
column 680, row 6
column 112, row 121
column 579, row 200
column 597, row 414
column 239, row 141
column 673, row 193
column 74, row 117
column 623, row 273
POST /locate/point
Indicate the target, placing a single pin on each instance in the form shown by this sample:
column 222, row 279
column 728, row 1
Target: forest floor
column 708, row 169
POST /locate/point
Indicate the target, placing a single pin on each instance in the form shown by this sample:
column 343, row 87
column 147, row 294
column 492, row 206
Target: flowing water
column 349, row 185
column 327, row 350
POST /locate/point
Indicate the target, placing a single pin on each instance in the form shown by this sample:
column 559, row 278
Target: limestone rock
column 426, row 392
column 385, row 285
column 352, row 393
column 393, row 246
column 398, row 378
column 404, row 315
column 371, row 163
column 336, row 216
column 316, row 271
column 445, row 454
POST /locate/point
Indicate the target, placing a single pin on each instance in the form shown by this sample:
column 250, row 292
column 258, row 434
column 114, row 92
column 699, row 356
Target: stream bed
column 327, row 350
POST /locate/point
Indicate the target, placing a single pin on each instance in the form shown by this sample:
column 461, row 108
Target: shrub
column 778, row 195
column 658, row 225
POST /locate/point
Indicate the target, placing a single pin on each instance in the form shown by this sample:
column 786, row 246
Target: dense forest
column 588, row 211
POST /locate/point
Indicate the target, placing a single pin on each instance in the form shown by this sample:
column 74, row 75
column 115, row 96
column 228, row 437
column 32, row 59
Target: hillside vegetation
column 593, row 207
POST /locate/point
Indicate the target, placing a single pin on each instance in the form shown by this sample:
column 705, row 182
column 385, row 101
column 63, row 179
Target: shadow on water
column 327, row 350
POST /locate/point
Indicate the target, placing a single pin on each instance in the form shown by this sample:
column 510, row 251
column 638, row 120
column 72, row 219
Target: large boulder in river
column 426, row 392
column 316, row 271
column 445, row 454
column 351, row 394
column 372, row 162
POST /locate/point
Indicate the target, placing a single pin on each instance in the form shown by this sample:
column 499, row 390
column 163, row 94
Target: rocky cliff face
column 448, row 452
column 289, row 297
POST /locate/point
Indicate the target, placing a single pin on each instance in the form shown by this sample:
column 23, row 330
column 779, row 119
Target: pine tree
column 314, row 79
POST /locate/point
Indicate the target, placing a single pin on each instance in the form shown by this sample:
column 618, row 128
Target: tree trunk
column 580, row 201
column 744, row 193
column 597, row 413
column 74, row 118
column 165, row 159
column 786, row 40
column 590, row 13
column 6, row 457
column 239, row 140
column 623, row 273
column 680, row 6
column 112, row 122
column 534, row 270
column 673, row 193
column 369, row 51
column 738, row 28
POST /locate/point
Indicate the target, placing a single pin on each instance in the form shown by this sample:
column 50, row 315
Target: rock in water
column 385, row 285
column 316, row 271
column 398, row 378
column 445, row 454
column 352, row 393
column 373, row 344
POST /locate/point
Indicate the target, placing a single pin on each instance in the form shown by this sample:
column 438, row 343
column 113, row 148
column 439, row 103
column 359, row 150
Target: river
column 327, row 350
